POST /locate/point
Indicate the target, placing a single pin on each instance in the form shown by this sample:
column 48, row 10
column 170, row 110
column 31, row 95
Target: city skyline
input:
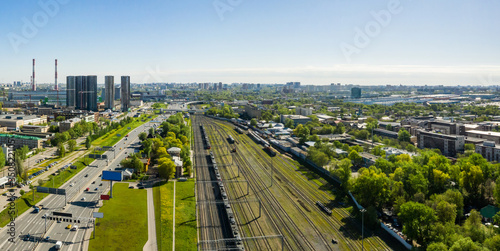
column 314, row 42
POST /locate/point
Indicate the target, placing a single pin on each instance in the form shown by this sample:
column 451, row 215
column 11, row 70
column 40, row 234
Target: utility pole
column 363, row 229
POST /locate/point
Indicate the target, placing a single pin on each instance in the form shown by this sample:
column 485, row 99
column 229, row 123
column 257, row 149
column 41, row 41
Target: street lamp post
column 363, row 229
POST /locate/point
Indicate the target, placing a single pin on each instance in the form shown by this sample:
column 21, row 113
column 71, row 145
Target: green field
column 125, row 224
column 185, row 216
column 25, row 203
column 163, row 199
column 112, row 137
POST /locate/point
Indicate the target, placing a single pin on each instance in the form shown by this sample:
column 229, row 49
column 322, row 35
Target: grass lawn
column 163, row 199
column 125, row 224
column 25, row 203
column 185, row 216
column 112, row 137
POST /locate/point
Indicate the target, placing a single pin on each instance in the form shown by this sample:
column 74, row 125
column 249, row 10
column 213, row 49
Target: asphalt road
column 33, row 224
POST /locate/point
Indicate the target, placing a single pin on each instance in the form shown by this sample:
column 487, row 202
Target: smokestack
column 33, row 77
column 56, row 87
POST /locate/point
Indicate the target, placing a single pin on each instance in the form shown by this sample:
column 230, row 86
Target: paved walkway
column 151, row 244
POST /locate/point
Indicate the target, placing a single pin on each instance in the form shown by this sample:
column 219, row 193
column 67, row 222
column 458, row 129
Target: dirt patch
column 303, row 206
column 276, row 177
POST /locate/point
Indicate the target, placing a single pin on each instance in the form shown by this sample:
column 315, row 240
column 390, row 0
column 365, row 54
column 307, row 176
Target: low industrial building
column 297, row 119
column 18, row 141
column 385, row 133
column 14, row 122
column 490, row 136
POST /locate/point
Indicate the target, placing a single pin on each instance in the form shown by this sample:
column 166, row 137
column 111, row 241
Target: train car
column 324, row 208
column 268, row 149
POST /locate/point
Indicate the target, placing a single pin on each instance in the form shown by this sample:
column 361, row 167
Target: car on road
column 74, row 228
column 334, row 241
column 100, row 184
column 71, row 185
column 131, row 187
column 88, row 189
column 95, row 189
column 47, row 239
column 83, row 198
column 68, row 226
column 93, row 182
column 58, row 220
column 86, row 175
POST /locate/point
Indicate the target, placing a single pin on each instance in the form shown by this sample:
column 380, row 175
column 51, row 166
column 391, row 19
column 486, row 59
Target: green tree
column 289, row 123
column 465, row 244
column 356, row 159
column 404, row 135
column 343, row 171
column 371, row 187
column 2, row 159
column 21, row 192
column 166, row 169
column 143, row 136
column 437, row 246
column 418, row 220
column 253, row 122
column 71, row 145
column 61, row 151
column 60, row 118
column 88, row 143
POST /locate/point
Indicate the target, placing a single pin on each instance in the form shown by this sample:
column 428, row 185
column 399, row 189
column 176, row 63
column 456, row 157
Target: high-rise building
column 355, row 92
column 118, row 92
column 91, row 93
column 109, row 99
column 70, row 91
column 81, row 92
column 125, row 97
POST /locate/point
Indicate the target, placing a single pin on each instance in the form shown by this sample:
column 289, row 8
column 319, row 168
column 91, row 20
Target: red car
column 88, row 189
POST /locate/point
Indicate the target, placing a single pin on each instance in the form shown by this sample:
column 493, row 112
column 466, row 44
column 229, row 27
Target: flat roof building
column 449, row 145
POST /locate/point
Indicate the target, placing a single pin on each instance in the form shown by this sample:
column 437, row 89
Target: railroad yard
column 241, row 207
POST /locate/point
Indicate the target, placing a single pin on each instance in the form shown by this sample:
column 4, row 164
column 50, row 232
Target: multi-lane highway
column 34, row 225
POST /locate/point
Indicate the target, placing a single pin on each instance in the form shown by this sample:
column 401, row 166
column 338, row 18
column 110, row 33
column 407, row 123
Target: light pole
column 363, row 229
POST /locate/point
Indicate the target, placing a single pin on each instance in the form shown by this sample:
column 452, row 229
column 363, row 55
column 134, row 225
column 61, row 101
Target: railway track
column 211, row 225
column 295, row 238
column 304, row 192
column 245, row 214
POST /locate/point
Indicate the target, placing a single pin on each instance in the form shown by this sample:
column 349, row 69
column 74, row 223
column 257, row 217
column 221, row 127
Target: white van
column 74, row 228
column 58, row 245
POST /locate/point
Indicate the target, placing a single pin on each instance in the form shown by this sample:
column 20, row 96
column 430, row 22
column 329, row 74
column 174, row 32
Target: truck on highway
column 37, row 209
column 58, row 245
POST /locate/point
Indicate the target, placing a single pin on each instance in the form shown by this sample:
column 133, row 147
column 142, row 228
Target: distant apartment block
column 489, row 150
column 355, row 92
column 490, row 136
column 304, row 111
column 449, row 145
column 253, row 111
column 447, row 127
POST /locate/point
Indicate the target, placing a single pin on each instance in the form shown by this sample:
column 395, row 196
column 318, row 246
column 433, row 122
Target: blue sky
column 449, row 42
